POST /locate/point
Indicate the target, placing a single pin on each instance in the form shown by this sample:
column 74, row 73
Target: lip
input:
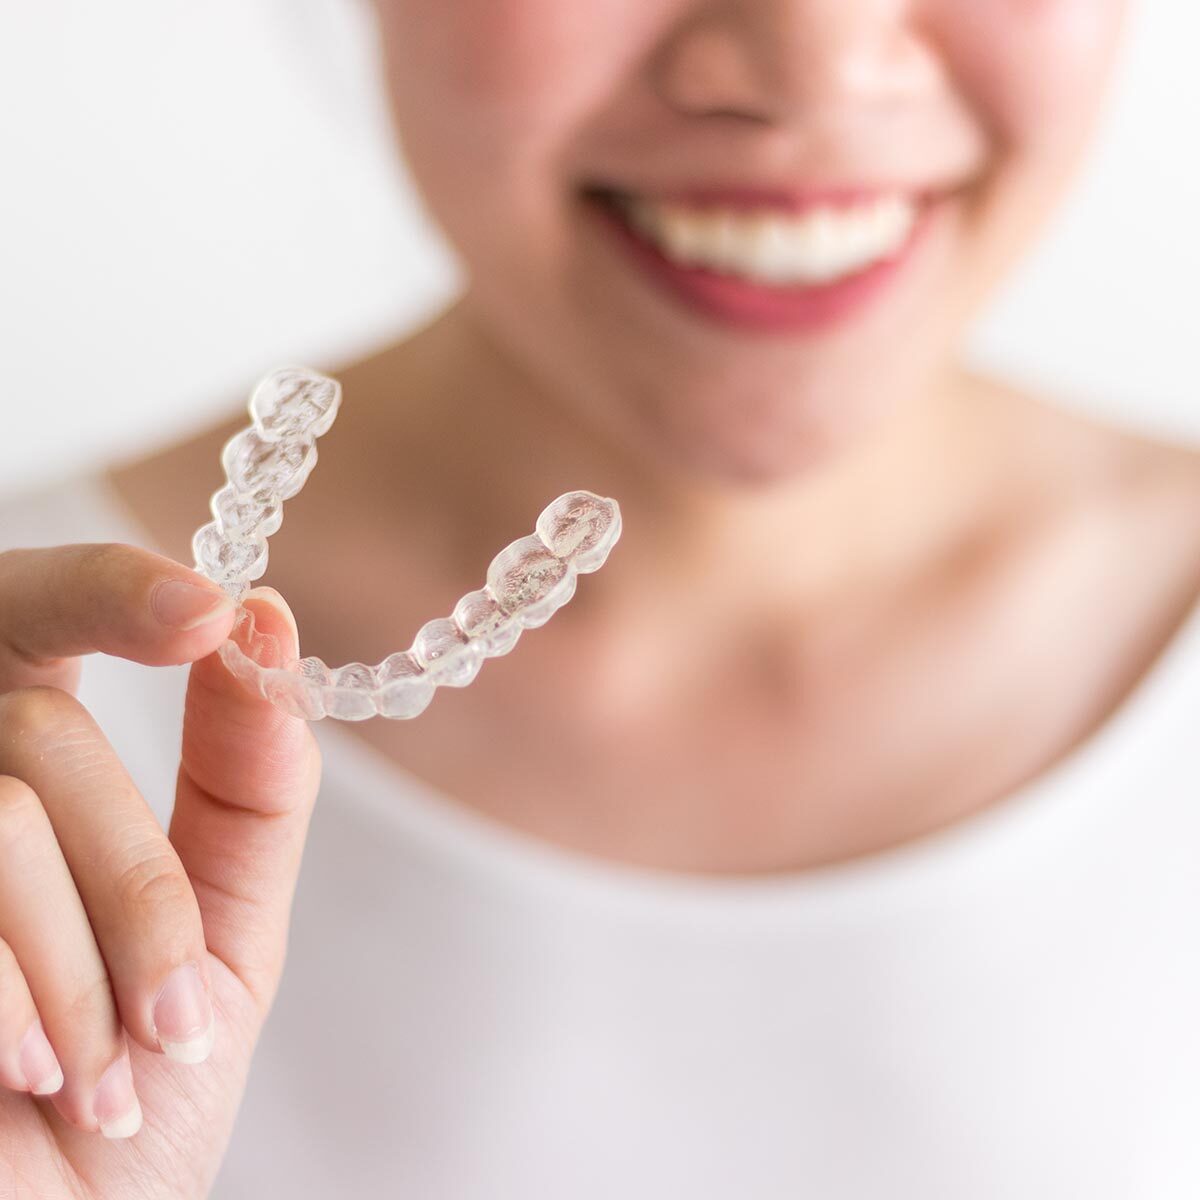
column 741, row 304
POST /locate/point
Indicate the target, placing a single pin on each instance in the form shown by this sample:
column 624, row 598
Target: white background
column 191, row 194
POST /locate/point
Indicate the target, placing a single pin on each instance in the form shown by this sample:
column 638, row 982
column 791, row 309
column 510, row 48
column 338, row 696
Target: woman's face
column 737, row 231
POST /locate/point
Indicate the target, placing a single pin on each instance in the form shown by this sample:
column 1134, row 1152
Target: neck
column 488, row 448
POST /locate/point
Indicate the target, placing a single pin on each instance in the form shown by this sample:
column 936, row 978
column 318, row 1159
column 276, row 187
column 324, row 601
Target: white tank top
column 1008, row 1009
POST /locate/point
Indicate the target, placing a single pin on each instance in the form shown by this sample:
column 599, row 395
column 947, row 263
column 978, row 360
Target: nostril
column 707, row 71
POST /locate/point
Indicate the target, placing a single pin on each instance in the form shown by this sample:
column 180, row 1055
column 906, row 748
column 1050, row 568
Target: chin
column 758, row 441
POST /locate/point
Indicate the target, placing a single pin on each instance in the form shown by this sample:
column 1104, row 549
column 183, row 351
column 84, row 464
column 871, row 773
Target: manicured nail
column 183, row 1016
column 184, row 605
column 39, row 1063
column 116, row 1104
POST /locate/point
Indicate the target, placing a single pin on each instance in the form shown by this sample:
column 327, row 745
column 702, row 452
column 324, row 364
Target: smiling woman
column 969, row 118
column 839, row 839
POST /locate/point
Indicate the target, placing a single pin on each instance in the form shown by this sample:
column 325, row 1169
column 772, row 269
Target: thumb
column 247, row 781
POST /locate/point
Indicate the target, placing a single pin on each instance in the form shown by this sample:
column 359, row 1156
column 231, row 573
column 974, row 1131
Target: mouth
column 769, row 261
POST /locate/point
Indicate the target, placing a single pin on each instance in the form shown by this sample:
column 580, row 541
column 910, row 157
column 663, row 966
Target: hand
column 119, row 944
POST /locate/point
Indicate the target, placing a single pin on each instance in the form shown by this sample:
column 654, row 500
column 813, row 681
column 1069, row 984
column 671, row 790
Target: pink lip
column 743, row 304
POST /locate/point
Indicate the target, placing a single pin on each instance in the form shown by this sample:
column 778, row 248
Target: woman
column 835, row 840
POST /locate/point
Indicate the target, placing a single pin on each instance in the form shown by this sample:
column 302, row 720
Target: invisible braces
column 268, row 463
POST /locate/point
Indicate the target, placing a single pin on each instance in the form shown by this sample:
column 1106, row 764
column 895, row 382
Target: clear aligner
column 269, row 463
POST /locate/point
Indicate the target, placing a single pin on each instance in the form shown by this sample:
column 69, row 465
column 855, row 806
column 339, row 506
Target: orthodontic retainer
column 269, row 463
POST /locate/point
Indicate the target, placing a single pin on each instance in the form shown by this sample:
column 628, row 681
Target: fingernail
column 184, row 605
column 276, row 601
column 39, row 1063
column 116, row 1104
column 183, row 1016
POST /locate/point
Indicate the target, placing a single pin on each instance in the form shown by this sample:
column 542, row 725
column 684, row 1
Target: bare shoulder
column 1151, row 478
column 1164, row 472
column 1091, row 569
column 1121, row 502
column 1155, row 485
column 1087, row 460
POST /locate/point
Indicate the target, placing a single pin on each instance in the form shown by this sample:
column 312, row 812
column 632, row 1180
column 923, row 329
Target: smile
column 764, row 263
column 820, row 245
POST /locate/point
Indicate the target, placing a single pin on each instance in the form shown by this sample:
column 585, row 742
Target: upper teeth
column 814, row 246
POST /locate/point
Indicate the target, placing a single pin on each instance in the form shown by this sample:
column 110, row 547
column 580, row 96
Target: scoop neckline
column 1041, row 810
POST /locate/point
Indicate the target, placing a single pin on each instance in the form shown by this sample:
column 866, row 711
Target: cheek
column 489, row 98
column 1033, row 69
column 507, row 76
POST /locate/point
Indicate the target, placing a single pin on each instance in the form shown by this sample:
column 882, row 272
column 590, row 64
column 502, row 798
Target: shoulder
column 1106, row 493
column 1150, row 481
column 1076, row 461
column 1106, row 510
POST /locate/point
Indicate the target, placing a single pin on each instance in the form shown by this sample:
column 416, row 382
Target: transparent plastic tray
column 268, row 463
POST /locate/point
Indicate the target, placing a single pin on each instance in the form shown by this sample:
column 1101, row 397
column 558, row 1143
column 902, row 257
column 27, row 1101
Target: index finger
column 59, row 602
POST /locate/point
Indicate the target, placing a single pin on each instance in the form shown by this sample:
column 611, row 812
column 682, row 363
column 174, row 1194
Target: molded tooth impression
column 268, row 463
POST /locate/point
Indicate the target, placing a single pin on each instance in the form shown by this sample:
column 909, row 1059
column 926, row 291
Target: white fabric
column 1006, row 1010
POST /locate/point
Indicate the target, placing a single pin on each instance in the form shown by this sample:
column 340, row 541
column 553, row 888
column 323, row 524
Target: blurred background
column 194, row 194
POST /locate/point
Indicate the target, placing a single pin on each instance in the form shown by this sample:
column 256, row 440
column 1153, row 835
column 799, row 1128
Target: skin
column 832, row 542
